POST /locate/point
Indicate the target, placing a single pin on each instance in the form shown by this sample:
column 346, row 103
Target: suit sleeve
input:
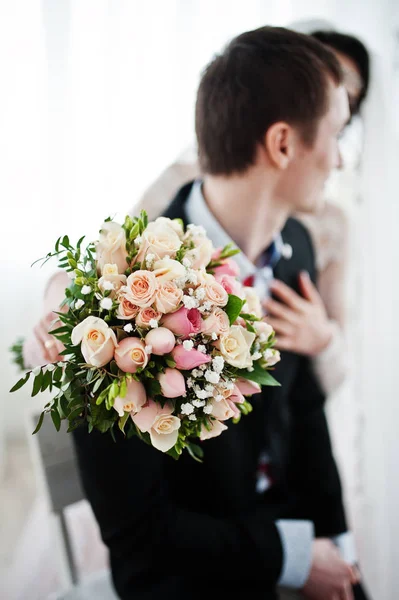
column 150, row 536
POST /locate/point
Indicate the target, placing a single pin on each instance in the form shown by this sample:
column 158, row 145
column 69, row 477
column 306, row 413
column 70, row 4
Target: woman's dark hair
column 263, row 76
column 356, row 50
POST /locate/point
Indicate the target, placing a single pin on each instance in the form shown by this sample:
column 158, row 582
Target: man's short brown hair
column 263, row 76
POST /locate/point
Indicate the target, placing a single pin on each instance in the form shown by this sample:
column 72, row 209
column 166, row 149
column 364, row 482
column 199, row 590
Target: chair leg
column 67, row 565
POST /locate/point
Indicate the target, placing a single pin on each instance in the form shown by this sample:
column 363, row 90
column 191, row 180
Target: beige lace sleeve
column 329, row 231
column 161, row 192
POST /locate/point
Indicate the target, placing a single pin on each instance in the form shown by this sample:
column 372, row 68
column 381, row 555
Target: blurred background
column 97, row 99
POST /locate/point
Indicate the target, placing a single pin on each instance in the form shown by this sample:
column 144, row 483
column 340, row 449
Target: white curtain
column 97, row 97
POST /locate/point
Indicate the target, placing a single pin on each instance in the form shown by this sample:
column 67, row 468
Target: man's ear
column 280, row 144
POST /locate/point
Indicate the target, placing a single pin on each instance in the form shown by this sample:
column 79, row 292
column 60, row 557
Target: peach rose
column 168, row 297
column 111, row 247
column 135, row 398
column 126, row 309
column 130, row 354
column 141, row 288
column 217, row 322
column 162, row 426
column 235, row 347
column 222, row 409
column 215, row 429
column 97, row 340
column 146, row 315
column 215, row 293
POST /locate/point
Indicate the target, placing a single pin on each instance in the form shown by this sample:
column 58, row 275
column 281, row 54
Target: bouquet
column 161, row 339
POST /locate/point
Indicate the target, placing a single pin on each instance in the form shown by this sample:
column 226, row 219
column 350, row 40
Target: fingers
column 307, row 288
column 355, row 575
column 280, row 311
column 288, row 295
column 347, row 593
column 50, row 346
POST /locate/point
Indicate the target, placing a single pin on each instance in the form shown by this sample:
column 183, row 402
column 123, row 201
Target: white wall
column 97, row 96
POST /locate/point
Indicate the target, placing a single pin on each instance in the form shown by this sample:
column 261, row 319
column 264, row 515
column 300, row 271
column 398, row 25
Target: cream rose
column 263, row 329
column 167, row 269
column 111, row 277
column 97, row 340
column 130, row 355
column 235, row 347
column 159, row 239
column 111, row 247
column 141, row 288
column 252, row 303
column 161, row 424
column 222, row 410
column 215, row 429
column 217, row 322
column 168, row 297
column 201, row 255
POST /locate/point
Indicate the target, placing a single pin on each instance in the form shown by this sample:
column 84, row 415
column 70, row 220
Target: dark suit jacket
column 180, row 528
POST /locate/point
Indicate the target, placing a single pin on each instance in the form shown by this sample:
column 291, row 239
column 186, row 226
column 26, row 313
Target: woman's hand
column 300, row 322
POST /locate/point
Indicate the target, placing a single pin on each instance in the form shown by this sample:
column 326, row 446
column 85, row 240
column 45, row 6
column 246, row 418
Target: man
column 268, row 114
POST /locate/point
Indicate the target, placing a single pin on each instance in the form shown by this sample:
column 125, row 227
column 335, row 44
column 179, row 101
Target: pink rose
column 135, row 398
column 247, row 388
column 161, row 340
column 217, row 322
column 130, row 354
column 215, row 429
column 141, row 288
column 126, row 309
column 230, row 284
column 183, row 322
column 146, row 315
column 168, row 297
column 162, row 426
column 188, row 359
column 228, row 267
column 172, row 383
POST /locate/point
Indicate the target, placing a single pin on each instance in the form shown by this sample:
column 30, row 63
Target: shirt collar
column 198, row 213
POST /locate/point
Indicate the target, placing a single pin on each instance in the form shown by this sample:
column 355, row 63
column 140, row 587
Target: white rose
column 235, row 347
column 215, row 429
column 111, row 247
column 175, row 224
column 97, row 340
column 263, row 328
column 167, row 269
column 110, row 275
column 201, row 255
column 252, row 304
column 159, row 239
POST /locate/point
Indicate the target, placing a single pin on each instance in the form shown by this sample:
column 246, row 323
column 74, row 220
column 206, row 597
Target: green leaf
column 233, row 307
column 98, row 383
column 195, row 451
column 122, row 421
column 153, row 388
column 37, row 384
column 47, row 380
column 76, row 413
column 259, row 375
column 20, row 382
column 39, row 423
column 123, row 388
column 65, row 241
column 56, row 418
column 63, row 402
column 102, row 396
column 170, row 362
